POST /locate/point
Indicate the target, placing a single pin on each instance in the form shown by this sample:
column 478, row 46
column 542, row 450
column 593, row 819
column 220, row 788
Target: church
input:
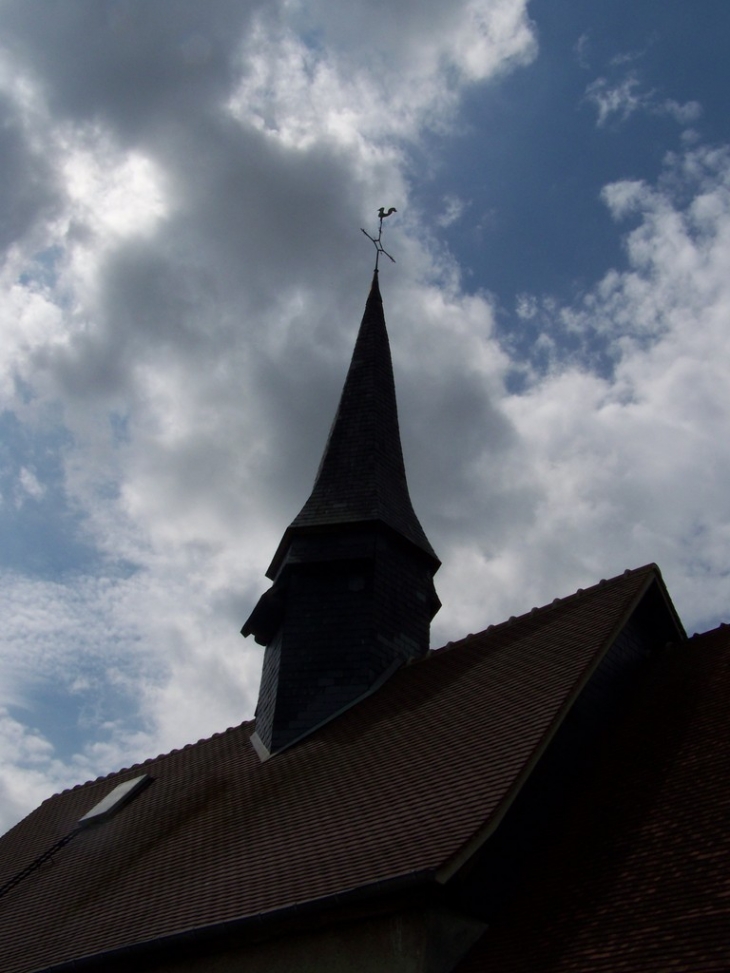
column 547, row 795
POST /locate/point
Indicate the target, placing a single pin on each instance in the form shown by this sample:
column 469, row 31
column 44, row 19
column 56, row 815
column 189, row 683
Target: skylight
column 115, row 799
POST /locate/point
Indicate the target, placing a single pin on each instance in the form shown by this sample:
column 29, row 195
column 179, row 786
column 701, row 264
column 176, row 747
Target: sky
column 182, row 275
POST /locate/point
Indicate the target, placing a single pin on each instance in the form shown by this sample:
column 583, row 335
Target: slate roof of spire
column 403, row 787
column 362, row 476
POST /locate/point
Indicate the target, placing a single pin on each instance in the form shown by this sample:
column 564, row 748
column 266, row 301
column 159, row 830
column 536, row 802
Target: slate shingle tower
column 353, row 595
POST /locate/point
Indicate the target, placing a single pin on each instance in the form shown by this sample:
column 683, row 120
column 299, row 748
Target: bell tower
column 352, row 596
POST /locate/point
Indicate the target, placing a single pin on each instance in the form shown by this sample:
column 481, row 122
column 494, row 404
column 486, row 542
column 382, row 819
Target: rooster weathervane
column 382, row 215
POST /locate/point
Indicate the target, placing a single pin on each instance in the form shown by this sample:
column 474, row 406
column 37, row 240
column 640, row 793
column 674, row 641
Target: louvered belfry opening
column 353, row 595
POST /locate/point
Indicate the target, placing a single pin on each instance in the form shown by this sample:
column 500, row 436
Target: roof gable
column 637, row 878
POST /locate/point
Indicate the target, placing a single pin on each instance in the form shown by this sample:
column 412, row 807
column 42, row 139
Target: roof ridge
column 149, row 760
column 543, row 609
column 722, row 626
column 491, row 629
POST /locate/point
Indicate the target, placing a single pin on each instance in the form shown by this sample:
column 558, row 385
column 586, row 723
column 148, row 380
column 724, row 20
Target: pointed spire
column 353, row 593
column 362, row 477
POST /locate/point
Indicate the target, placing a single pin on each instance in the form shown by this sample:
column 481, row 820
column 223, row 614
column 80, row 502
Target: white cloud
column 632, row 467
column 452, row 211
column 617, row 101
column 403, row 73
column 526, row 306
column 181, row 300
column 620, row 100
column 683, row 112
column 27, row 774
column 118, row 194
column 582, row 50
column 30, row 483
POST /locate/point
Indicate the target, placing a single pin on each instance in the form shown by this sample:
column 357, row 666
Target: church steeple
column 361, row 476
column 353, row 593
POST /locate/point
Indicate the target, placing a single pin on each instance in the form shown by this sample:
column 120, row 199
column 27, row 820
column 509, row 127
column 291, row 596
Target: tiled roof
column 408, row 781
column 362, row 477
column 637, row 878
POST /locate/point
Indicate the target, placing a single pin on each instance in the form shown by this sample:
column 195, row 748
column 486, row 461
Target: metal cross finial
column 382, row 215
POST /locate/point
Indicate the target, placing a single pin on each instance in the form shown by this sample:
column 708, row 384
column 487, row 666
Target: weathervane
column 378, row 245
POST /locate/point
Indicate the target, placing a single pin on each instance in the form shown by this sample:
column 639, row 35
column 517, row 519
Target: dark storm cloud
column 129, row 63
column 28, row 187
column 262, row 211
column 454, row 482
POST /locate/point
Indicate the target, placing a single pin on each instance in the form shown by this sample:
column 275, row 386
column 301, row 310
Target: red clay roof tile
column 405, row 782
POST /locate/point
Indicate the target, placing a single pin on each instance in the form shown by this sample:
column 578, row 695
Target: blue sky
column 531, row 158
column 181, row 281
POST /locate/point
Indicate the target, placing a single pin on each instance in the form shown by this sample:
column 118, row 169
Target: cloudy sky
column 183, row 274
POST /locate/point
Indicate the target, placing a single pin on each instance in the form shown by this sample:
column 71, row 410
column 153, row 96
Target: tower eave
column 294, row 531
